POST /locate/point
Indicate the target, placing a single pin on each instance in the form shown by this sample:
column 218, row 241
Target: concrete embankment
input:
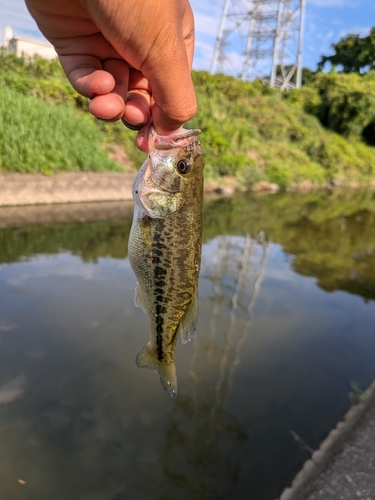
column 37, row 189
column 70, row 197
column 344, row 465
column 82, row 187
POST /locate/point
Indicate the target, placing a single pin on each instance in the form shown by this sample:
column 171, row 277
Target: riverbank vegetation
column 321, row 134
column 37, row 136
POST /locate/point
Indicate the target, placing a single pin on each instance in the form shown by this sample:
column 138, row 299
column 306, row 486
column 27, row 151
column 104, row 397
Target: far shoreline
column 20, row 190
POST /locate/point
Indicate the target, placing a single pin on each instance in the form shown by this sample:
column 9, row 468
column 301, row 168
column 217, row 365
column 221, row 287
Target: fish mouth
column 172, row 141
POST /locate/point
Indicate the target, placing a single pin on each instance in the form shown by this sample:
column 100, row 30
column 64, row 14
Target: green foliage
column 117, row 133
column 356, row 395
column 248, row 130
column 39, row 77
column 352, row 54
column 232, row 88
column 260, row 134
column 46, row 79
column 307, row 76
column 344, row 103
column 36, row 66
column 242, row 137
column 36, row 136
column 347, row 102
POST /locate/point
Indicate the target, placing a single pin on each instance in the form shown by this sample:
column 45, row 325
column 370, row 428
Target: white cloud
column 212, row 8
column 325, row 36
column 6, row 327
column 203, row 55
column 334, row 3
column 358, row 30
column 206, row 25
column 12, row 390
column 207, row 18
column 63, row 265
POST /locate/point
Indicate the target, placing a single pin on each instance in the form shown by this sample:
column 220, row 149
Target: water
column 287, row 317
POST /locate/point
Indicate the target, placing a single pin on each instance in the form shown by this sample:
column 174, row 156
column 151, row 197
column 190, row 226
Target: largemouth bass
column 165, row 246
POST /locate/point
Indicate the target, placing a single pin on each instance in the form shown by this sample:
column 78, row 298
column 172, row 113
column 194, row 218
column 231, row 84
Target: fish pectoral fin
column 167, row 372
column 138, row 299
column 188, row 324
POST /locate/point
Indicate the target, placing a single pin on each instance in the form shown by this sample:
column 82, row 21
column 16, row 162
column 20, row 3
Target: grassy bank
column 321, row 133
column 37, row 136
column 256, row 133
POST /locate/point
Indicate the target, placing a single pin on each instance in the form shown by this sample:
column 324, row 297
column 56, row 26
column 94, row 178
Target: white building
column 28, row 48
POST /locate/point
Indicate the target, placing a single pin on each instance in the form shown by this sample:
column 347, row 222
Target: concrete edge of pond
column 21, row 190
column 37, row 189
column 332, row 445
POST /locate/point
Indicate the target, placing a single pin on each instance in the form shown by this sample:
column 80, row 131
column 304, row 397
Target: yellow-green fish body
column 165, row 247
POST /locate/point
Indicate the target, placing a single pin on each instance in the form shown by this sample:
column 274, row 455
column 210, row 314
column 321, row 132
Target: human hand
column 132, row 58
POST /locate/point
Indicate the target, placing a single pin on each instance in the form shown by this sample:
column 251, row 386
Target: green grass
column 37, row 136
column 256, row 133
column 321, row 133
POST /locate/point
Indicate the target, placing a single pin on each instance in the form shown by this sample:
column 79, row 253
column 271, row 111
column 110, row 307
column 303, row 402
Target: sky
column 326, row 21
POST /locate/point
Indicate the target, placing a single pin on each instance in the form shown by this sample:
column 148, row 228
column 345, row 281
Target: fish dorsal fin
column 138, row 298
column 188, row 323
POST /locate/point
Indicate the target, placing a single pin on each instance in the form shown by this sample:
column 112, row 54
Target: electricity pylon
column 261, row 39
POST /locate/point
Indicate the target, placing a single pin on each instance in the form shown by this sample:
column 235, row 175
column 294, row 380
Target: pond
column 286, row 324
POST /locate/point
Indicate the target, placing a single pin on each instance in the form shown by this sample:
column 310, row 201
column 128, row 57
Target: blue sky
column 326, row 22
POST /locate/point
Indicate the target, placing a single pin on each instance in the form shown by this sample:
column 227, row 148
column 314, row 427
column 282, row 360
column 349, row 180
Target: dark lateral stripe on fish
column 160, row 309
column 159, row 272
column 158, row 257
column 159, row 338
column 160, row 283
column 159, row 343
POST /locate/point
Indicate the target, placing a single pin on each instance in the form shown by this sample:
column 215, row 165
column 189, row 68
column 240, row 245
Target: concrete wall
column 37, row 189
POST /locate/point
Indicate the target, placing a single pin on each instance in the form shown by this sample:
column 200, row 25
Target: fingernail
column 132, row 126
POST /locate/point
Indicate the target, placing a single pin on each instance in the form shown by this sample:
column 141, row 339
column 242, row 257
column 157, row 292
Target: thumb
column 169, row 76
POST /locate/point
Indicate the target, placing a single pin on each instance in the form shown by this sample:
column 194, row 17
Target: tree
column 353, row 54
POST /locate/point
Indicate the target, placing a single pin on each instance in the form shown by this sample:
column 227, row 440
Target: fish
column 165, row 245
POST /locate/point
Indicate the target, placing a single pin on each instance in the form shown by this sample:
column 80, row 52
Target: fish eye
column 183, row 166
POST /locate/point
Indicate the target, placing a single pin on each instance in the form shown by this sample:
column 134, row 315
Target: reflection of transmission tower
column 261, row 38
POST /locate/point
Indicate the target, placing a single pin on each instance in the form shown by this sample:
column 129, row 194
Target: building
column 28, row 48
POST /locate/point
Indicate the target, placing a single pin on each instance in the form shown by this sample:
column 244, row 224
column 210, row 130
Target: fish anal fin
column 188, row 323
column 138, row 299
column 147, row 358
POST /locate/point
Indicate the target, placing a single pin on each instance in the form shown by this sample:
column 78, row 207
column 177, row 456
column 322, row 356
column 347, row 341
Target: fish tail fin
column 167, row 372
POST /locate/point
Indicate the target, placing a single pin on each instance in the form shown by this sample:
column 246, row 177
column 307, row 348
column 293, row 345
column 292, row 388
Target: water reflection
column 204, row 442
column 273, row 352
column 232, row 274
column 330, row 234
column 91, row 240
